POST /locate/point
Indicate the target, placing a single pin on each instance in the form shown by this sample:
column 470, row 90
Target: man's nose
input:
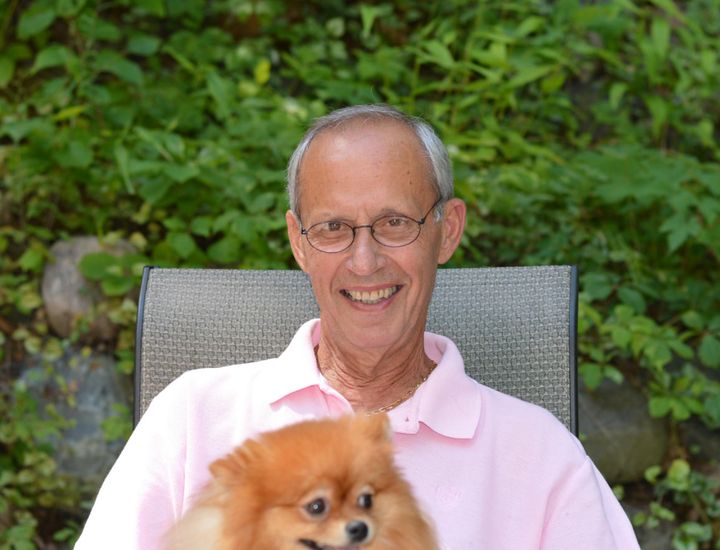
column 365, row 256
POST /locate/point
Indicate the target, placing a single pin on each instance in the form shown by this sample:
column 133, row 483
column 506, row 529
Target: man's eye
column 396, row 222
column 332, row 226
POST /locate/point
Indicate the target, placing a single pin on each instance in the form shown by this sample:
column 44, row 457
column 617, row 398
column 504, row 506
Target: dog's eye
column 316, row 507
column 365, row 501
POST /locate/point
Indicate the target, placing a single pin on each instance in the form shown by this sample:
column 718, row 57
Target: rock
column 702, row 441
column 82, row 451
column 68, row 296
column 619, row 434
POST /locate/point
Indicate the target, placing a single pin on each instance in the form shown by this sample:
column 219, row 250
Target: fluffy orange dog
column 323, row 485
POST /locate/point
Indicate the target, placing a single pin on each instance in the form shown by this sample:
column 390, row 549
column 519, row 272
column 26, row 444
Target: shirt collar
column 448, row 402
column 296, row 368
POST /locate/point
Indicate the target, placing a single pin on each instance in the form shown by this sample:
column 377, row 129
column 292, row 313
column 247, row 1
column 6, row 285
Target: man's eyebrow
column 329, row 217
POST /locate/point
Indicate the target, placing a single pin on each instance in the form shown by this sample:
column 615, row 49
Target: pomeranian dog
column 318, row 484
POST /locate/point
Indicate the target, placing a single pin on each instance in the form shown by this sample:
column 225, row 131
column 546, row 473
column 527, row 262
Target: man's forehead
column 342, row 162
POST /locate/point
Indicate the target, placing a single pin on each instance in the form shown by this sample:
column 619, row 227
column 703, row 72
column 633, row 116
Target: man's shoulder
column 515, row 418
column 228, row 379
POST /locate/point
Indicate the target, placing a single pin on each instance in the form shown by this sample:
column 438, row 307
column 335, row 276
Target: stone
column 618, row 432
column 68, row 296
column 82, row 451
column 703, row 442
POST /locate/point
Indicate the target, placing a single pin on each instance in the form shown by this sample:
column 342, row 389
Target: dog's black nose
column 357, row 531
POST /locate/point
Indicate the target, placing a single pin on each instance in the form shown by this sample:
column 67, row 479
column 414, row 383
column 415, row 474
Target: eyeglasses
column 392, row 231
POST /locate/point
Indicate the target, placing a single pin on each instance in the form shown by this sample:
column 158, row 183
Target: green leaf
column 692, row 319
column 621, row 336
column 369, row 14
column 122, row 159
column 439, row 53
column 153, row 7
column 597, row 285
column 143, row 44
column 529, row 26
column 117, row 286
column 68, row 113
column 155, row 189
column 262, row 71
column 32, row 259
column 221, row 90
column 34, row 20
column 679, row 473
column 709, row 351
column 529, row 74
column 54, row 55
column 112, row 62
column 69, row 8
column 680, row 410
column 96, row 265
column 592, row 374
column 77, row 154
column 182, row 243
column 679, row 229
column 97, row 28
column 652, row 474
column 202, row 226
column 683, row 350
column 617, row 91
column 494, row 56
column 336, row 26
column 632, row 298
column 225, row 251
column 659, row 406
column 660, row 33
column 7, row 70
column 181, row 173
column 658, row 108
column 613, row 374
column 712, row 408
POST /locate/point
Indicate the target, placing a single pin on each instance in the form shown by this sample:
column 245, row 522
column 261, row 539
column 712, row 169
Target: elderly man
column 372, row 215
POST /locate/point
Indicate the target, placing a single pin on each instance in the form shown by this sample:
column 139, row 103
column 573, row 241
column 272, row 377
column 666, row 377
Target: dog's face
column 323, row 485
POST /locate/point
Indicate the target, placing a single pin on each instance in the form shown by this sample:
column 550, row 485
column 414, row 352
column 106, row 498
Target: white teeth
column 372, row 296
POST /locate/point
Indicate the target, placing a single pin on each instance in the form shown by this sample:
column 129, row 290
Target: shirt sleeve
column 142, row 495
column 584, row 513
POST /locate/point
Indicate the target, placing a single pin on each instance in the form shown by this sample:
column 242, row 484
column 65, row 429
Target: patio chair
column 515, row 326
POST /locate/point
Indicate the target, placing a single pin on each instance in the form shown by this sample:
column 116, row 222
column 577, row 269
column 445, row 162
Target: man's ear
column 453, row 220
column 293, row 228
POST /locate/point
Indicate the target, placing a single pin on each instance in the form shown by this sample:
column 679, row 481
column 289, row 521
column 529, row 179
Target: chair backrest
column 515, row 326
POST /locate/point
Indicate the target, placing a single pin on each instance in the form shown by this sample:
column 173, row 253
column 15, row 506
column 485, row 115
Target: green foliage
column 694, row 495
column 31, row 489
column 580, row 132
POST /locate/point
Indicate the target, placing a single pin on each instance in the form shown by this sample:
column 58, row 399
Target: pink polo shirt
column 492, row 472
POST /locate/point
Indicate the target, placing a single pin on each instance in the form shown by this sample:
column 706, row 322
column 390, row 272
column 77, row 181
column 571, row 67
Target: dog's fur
column 269, row 494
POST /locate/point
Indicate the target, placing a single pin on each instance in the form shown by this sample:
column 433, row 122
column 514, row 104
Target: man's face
column 370, row 295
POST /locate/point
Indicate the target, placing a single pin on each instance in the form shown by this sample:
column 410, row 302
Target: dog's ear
column 232, row 469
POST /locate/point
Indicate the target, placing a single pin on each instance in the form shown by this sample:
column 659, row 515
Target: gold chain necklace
column 405, row 396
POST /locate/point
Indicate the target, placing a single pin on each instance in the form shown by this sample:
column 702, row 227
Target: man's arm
column 584, row 513
column 143, row 493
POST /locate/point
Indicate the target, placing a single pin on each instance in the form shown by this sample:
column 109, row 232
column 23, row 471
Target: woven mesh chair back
column 515, row 326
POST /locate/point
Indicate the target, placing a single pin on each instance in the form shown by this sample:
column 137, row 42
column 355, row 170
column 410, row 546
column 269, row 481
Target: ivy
column 582, row 133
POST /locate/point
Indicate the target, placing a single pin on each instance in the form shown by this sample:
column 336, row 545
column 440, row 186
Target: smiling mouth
column 370, row 297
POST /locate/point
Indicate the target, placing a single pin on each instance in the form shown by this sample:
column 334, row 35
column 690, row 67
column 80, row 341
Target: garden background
column 580, row 132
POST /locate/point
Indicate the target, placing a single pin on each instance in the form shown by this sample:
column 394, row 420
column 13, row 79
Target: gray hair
column 432, row 145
